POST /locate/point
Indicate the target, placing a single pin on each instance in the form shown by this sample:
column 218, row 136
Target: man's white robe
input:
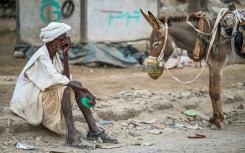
column 39, row 74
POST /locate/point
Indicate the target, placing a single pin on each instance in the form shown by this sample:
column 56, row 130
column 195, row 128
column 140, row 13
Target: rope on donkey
column 215, row 46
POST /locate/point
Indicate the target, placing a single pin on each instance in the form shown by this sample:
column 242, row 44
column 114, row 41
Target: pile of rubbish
column 94, row 54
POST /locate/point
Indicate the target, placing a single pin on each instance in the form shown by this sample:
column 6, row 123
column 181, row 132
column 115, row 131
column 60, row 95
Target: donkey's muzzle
column 153, row 69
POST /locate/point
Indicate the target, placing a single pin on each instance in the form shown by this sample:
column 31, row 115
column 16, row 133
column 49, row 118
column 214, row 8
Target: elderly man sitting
column 43, row 89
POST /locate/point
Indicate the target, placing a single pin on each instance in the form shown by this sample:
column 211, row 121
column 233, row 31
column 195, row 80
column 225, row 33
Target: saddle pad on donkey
column 238, row 41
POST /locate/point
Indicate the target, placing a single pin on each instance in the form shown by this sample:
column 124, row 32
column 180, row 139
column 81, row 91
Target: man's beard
column 60, row 48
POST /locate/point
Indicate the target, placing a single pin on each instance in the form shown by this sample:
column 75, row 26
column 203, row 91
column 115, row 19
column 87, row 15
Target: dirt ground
column 136, row 104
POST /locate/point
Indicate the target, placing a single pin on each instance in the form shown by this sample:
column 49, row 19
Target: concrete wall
column 92, row 20
column 118, row 20
column 36, row 14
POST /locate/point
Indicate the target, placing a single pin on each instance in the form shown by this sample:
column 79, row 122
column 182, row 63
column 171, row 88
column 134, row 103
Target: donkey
column 183, row 36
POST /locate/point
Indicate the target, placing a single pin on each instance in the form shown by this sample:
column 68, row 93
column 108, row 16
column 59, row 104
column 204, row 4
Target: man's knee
column 77, row 82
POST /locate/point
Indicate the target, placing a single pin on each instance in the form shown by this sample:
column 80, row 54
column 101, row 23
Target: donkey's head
column 157, row 46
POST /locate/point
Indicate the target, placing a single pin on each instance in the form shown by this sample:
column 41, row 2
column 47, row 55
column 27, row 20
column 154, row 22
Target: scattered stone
column 6, row 143
column 148, row 122
column 162, row 122
column 235, row 115
column 142, row 103
column 203, row 116
column 142, row 93
column 154, row 131
column 137, row 101
column 152, row 127
column 190, row 105
column 38, row 138
column 99, row 140
column 117, row 113
column 171, row 117
column 240, row 106
column 185, row 95
column 240, row 85
column 139, row 128
column 146, row 144
column 161, row 105
column 132, row 122
column 2, row 127
column 226, row 122
column 134, row 133
column 229, row 99
column 124, row 124
column 125, row 94
column 175, row 95
column 131, row 126
column 151, row 110
column 135, row 88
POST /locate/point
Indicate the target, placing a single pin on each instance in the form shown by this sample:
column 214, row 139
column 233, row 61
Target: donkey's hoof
column 218, row 127
column 215, row 127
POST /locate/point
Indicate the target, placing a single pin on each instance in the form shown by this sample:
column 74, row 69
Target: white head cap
column 53, row 30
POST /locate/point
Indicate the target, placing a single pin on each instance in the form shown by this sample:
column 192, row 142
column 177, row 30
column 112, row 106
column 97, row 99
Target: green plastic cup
column 85, row 102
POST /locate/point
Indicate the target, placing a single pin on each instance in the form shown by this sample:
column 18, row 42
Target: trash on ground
column 171, row 117
column 203, row 116
column 171, row 124
column 24, row 146
column 148, row 122
column 143, row 144
column 130, row 121
column 108, row 147
column 196, row 136
column 106, row 122
column 191, row 113
column 162, row 122
column 195, row 127
column 94, row 54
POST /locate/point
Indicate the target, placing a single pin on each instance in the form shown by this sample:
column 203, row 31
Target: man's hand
column 92, row 96
column 66, row 45
column 85, row 91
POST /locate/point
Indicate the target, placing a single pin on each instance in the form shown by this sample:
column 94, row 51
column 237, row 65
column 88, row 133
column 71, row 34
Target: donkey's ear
column 148, row 19
column 156, row 21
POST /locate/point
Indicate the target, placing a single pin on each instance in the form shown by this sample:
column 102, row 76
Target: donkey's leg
column 216, row 73
column 211, row 85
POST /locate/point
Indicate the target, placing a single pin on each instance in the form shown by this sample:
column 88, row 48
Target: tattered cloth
column 230, row 18
column 239, row 39
column 229, row 22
